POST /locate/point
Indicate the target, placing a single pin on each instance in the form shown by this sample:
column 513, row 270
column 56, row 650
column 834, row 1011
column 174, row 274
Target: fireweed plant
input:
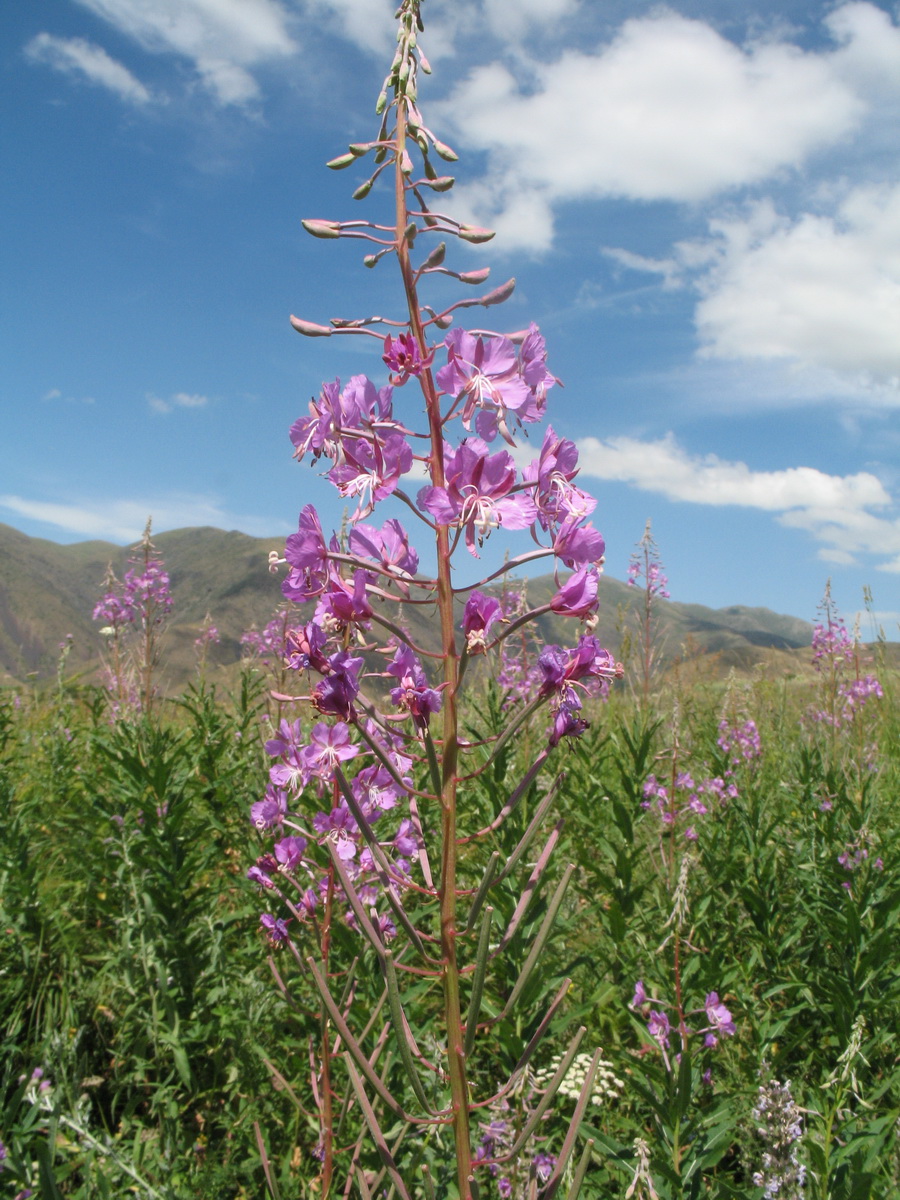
column 645, row 571
column 367, row 797
column 134, row 614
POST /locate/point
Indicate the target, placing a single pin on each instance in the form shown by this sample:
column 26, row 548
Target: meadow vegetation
column 144, row 1042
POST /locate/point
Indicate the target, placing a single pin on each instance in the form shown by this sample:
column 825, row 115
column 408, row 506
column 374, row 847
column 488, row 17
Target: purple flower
column 289, row 853
column 640, row 995
column 479, row 494
column 480, row 613
column 344, row 603
column 388, row 547
column 335, row 694
column 307, row 555
column 328, row 746
column 659, row 1027
column 276, row 928
column 578, row 595
column 271, row 810
column 338, row 414
column 413, row 693
column 484, row 374
column 403, row 357
column 577, row 544
column 718, row 1015
column 371, row 470
column 289, row 737
column 304, row 649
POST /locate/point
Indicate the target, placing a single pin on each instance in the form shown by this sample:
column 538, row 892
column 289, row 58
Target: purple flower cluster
column 680, row 805
column 856, row 854
column 716, row 1021
column 835, row 654
column 740, row 740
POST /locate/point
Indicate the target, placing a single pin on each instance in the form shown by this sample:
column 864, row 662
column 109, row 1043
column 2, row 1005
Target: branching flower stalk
column 415, row 759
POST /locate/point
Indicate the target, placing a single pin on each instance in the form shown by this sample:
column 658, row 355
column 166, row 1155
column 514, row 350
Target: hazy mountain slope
column 48, row 591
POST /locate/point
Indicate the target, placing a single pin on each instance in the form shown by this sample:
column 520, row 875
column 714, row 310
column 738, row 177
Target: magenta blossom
column 413, row 693
column 338, row 414
column 479, row 495
column 371, row 470
column 388, row 547
column 403, row 357
column 307, row 555
column 481, row 612
column 328, row 746
column 578, row 595
column 276, row 929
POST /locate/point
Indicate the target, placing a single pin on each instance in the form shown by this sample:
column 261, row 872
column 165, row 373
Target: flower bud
column 443, row 151
column 475, row 234
column 436, row 257
column 498, row 295
column 322, row 229
column 343, row 160
column 474, row 276
column 443, row 183
column 309, row 329
column 363, row 190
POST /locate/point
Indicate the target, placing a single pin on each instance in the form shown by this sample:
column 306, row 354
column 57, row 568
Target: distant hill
column 48, row 591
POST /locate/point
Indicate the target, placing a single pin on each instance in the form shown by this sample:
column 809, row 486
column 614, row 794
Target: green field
column 136, row 979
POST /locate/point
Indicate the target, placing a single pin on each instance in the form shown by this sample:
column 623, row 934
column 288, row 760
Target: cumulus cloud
column 836, row 510
column 821, row 290
column 178, row 400
column 124, row 520
column 223, row 39
column 76, row 56
column 668, row 110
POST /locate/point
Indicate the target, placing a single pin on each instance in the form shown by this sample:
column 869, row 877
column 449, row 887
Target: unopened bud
column 343, row 160
column 358, row 149
column 443, row 151
column 322, row 229
column 424, row 63
column 474, row 276
column 381, row 104
column 410, row 232
column 436, row 257
column 443, row 183
column 310, row 329
column 443, row 322
column 363, row 190
column 498, row 295
column 475, row 234
column 406, row 164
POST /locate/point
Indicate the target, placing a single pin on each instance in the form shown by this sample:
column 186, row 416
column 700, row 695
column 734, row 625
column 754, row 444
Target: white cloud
column 75, row 56
column 178, row 400
column 669, row 110
column 821, row 290
column 222, row 38
column 833, row 509
column 124, row 520
column 512, row 18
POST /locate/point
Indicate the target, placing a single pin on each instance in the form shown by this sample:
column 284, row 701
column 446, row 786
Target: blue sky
column 700, row 203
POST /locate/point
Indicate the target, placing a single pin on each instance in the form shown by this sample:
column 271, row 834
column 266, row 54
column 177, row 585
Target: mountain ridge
column 48, row 591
